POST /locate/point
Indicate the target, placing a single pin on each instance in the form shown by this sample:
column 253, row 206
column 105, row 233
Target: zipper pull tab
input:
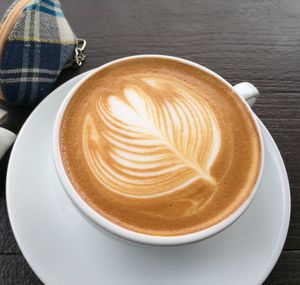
column 79, row 52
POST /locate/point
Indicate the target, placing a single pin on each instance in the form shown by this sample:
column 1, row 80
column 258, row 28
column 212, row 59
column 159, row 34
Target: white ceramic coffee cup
column 245, row 91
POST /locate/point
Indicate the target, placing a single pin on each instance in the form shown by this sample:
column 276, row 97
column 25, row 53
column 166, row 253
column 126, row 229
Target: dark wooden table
column 256, row 41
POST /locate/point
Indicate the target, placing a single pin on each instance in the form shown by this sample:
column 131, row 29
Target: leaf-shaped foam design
column 154, row 138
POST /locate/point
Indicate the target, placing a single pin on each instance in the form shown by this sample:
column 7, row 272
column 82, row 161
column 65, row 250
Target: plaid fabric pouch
column 36, row 44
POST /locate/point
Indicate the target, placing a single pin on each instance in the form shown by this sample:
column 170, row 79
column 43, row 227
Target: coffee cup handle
column 247, row 91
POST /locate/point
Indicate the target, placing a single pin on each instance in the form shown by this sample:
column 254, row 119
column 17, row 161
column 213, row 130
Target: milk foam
column 153, row 138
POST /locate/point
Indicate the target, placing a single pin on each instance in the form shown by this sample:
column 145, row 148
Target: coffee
column 159, row 147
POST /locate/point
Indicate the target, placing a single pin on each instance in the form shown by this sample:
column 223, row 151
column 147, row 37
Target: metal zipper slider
column 79, row 52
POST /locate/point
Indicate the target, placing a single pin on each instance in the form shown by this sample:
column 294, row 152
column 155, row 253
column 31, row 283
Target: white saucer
column 62, row 248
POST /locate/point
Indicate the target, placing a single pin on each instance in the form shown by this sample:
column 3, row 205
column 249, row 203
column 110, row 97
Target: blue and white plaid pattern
column 38, row 48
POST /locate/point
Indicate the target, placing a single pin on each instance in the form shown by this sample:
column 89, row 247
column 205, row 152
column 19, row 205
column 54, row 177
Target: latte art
column 158, row 137
column 159, row 147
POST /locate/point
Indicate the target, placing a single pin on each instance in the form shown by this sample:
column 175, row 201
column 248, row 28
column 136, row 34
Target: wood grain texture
column 286, row 271
column 8, row 243
column 14, row 270
column 256, row 41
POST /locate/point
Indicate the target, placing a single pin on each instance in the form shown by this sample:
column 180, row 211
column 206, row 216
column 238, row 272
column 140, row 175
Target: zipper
column 79, row 57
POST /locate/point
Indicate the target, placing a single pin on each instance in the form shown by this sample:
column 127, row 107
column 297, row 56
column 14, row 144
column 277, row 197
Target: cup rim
column 104, row 223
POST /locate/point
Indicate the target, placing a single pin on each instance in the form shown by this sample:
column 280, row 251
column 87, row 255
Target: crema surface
column 159, row 147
